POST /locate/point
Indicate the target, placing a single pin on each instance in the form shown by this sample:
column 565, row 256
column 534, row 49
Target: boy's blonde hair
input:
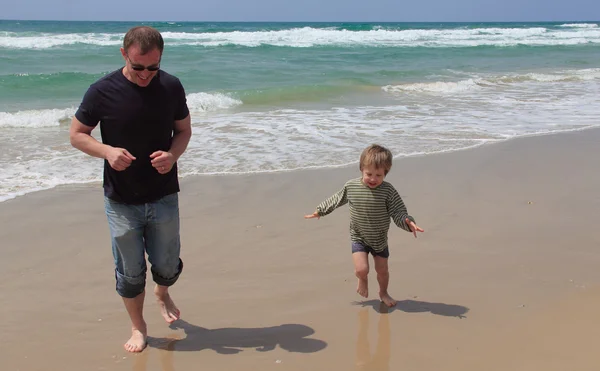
column 378, row 156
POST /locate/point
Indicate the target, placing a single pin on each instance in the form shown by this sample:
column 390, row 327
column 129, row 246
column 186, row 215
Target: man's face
column 141, row 68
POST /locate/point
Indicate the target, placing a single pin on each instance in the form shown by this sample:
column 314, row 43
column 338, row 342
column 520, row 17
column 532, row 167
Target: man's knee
column 167, row 275
column 130, row 287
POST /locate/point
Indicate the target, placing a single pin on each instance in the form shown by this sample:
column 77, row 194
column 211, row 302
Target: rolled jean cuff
column 130, row 287
column 162, row 281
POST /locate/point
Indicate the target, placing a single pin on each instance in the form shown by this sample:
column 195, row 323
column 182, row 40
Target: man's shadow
column 290, row 337
column 414, row 306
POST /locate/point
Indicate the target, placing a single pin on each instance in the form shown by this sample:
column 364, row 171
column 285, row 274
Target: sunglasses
column 141, row 68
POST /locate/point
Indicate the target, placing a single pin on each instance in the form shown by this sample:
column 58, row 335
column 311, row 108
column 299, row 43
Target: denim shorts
column 137, row 230
column 360, row 247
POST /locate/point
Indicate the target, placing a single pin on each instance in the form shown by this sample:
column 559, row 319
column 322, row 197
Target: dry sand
column 506, row 276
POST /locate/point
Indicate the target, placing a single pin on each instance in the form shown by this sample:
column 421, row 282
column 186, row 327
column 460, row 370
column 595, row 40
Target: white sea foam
column 310, row 36
column 205, row 102
column 35, row 118
column 436, row 87
column 197, row 102
column 423, row 118
column 580, row 25
column 48, row 40
column 479, row 83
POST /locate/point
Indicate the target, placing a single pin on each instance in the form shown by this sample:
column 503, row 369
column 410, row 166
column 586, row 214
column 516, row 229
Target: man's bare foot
column 363, row 287
column 167, row 308
column 387, row 299
column 137, row 342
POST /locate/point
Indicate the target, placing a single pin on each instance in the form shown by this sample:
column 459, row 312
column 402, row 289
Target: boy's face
column 372, row 177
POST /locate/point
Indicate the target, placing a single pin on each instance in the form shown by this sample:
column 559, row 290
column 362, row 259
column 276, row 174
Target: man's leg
column 126, row 223
column 383, row 277
column 139, row 331
column 163, row 247
column 168, row 309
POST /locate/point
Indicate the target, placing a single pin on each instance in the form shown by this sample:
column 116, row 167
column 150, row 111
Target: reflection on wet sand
column 164, row 352
column 380, row 360
column 415, row 306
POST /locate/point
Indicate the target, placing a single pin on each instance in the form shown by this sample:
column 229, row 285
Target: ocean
column 269, row 97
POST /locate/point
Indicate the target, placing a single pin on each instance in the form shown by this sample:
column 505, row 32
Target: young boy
column 372, row 203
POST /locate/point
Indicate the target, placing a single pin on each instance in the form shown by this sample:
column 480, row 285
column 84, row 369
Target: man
column 145, row 127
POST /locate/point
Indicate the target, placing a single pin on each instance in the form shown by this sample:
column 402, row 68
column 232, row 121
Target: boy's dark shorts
column 359, row 247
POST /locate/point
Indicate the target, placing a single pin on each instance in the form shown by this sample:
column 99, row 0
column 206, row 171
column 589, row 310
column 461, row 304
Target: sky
column 303, row 10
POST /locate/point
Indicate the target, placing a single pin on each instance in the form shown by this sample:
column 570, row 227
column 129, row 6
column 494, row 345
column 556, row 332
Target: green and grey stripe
column 370, row 211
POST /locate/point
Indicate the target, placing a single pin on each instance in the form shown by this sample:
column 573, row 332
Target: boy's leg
column 163, row 247
column 383, row 277
column 361, row 269
column 126, row 224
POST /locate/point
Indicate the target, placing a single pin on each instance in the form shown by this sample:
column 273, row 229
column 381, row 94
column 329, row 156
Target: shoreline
column 191, row 177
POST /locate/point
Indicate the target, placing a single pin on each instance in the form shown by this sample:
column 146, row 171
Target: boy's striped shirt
column 370, row 211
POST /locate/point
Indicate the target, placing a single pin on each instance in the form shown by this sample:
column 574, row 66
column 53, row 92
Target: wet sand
column 505, row 277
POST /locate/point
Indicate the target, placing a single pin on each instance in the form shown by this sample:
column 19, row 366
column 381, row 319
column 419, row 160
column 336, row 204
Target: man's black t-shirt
column 141, row 120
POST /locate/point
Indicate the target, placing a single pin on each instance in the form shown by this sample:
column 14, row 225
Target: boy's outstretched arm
column 397, row 210
column 330, row 204
column 313, row 215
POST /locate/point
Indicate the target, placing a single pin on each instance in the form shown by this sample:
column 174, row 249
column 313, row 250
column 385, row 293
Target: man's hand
column 162, row 161
column 119, row 158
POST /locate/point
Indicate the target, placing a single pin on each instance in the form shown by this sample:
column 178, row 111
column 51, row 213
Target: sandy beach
column 505, row 276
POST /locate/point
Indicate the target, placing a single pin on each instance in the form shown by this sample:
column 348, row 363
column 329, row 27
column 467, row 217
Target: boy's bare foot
column 169, row 311
column 137, row 342
column 387, row 299
column 363, row 287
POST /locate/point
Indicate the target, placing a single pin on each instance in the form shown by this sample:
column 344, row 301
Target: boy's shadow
column 414, row 306
column 291, row 337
